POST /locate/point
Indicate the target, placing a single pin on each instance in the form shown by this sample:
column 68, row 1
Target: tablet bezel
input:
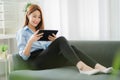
column 46, row 34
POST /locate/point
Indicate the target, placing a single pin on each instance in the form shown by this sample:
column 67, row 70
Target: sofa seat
column 64, row 73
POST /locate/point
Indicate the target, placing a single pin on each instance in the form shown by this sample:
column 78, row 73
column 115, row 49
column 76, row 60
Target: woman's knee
column 61, row 39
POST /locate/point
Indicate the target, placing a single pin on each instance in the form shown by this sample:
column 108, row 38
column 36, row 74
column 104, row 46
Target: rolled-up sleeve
column 21, row 43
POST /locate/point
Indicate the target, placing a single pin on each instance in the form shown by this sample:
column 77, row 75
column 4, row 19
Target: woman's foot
column 82, row 66
column 107, row 70
column 100, row 67
column 85, row 69
column 91, row 72
column 103, row 69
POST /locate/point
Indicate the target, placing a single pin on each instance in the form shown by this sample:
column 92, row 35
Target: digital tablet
column 46, row 34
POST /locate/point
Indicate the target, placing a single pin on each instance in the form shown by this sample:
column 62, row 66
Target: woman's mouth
column 35, row 23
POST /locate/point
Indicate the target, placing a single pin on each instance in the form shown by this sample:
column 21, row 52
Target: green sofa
column 101, row 51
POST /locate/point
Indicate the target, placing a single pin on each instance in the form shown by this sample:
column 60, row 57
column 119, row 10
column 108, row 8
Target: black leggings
column 58, row 54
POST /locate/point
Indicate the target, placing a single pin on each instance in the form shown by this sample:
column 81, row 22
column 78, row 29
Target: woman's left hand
column 52, row 37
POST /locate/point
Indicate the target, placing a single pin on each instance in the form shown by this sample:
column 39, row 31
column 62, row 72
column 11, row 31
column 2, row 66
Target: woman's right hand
column 36, row 36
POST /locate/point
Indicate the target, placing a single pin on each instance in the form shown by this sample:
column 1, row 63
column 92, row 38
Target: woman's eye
column 34, row 16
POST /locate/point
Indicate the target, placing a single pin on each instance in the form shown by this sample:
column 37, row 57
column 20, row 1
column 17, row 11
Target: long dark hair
column 31, row 8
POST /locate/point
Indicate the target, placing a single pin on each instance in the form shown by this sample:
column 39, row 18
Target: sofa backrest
column 102, row 51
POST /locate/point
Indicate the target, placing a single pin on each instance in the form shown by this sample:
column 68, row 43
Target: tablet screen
column 46, row 34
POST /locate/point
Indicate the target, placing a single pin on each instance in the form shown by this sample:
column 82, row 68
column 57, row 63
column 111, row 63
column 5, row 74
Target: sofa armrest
column 10, row 63
column 15, row 62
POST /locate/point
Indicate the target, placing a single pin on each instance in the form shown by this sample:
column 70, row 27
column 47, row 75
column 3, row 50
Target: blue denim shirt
column 23, row 36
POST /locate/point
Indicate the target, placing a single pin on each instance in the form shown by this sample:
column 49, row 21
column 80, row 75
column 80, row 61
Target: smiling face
column 34, row 18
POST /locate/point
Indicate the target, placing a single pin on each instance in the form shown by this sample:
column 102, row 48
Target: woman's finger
column 54, row 35
column 41, row 34
column 51, row 38
column 37, row 32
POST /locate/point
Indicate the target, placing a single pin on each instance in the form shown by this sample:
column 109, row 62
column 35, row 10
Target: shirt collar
column 27, row 28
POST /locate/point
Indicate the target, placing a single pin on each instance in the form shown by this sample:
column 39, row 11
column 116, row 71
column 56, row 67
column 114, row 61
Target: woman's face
column 34, row 18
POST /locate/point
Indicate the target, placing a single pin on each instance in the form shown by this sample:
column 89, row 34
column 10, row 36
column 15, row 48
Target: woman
column 53, row 53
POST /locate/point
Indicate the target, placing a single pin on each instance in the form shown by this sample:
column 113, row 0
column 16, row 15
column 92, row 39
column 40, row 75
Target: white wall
column 56, row 15
column 51, row 14
column 73, row 22
column 88, row 19
column 115, row 19
column 104, row 19
column 75, row 19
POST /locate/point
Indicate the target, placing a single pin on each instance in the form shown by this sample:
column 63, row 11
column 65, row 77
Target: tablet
column 46, row 34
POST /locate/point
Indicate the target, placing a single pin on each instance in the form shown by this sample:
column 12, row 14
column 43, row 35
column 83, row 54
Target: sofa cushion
column 19, row 63
column 64, row 73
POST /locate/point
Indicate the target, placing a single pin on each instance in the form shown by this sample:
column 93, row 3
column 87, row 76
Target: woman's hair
column 30, row 9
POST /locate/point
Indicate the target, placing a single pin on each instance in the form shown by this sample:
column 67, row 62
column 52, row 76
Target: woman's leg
column 66, row 50
column 57, row 51
column 61, row 45
column 88, row 60
column 84, row 57
column 43, row 60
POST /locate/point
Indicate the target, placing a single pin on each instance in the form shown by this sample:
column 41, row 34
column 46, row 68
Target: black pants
column 58, row 54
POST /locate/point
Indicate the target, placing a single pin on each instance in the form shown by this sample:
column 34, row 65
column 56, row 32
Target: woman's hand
column 36, row 36
column 52, row 38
